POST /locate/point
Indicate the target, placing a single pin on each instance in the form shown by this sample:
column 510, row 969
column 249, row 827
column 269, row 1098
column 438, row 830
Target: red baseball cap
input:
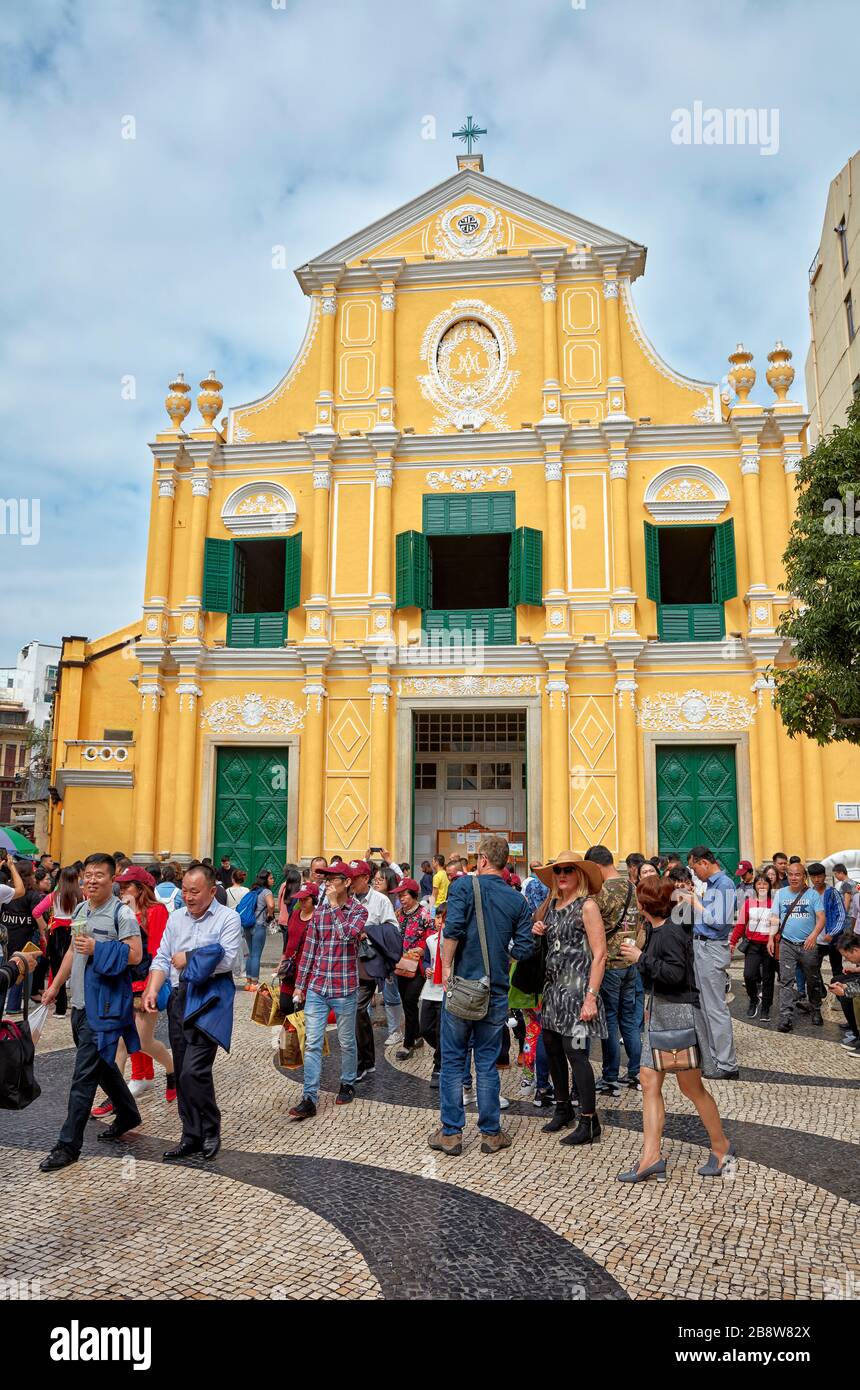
column 135, row 874
column 745, row 867
column 408, row 885
column 359, row 867
column 306, row 891
column 341, row 868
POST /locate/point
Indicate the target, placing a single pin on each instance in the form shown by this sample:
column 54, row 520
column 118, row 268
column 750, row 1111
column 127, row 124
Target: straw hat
column 590, row 871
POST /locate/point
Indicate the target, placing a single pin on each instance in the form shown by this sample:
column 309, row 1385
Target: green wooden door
column 697, row 802
column 251, row 809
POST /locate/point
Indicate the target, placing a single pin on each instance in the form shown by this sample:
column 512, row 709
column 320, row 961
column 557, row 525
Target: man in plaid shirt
column 327, row 978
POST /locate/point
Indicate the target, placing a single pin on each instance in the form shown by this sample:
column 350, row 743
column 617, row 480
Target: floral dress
column 416, row 927
column 568, row 967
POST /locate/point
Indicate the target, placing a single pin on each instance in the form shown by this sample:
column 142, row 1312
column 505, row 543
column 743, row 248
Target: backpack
column 18, row 1084
column 247, row 908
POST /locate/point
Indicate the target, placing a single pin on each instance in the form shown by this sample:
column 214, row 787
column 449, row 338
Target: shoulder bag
column 529, row 974
column 18, row 1084
column 673, row 1049
column 470, row 999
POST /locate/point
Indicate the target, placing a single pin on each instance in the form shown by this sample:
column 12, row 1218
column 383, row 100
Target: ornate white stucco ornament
column 556, row 617
column 252, row 713
column 762, row 613
column 695, row 709
column 704, row 415
column 468, row 685
column 466, row 231
column 467, row 349
column 467, row 479
column 623, row 616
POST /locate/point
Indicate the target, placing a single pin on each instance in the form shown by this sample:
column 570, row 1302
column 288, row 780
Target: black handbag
column 18, row 1084
column 529, row 975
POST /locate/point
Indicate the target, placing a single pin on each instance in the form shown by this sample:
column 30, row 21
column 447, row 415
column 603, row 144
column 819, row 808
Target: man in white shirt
column 379, row 909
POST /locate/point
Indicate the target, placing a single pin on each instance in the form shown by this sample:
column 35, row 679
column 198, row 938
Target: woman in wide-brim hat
column 571, row 1009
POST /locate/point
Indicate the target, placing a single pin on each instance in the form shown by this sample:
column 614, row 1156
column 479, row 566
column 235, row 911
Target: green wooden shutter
column 525, row 568
column 502, row 511
column 292, row 571
column 434, row 515
column 725, row 580
column 411, row 566
column 217, row 575
column 652, row 562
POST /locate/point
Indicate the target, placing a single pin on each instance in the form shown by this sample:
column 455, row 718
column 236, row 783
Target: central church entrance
column 469, row 768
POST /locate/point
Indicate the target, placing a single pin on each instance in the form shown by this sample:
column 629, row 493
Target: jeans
column 618, row 993
column 317, row 1008
column 541, row 1064
column 711, row 960
column 92, row 1071
column 791, row 958
column 393, row 1007
column 255, row 940
column 483, row 1036
column 364, row 1025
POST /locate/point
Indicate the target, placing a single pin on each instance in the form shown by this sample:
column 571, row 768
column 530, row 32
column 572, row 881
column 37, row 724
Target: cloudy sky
column 296, row 122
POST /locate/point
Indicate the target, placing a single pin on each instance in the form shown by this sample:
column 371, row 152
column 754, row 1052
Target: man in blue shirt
column 797, row 916
column 713, row 919
column 508, row 928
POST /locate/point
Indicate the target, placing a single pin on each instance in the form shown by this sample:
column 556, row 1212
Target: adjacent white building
column 33, row 681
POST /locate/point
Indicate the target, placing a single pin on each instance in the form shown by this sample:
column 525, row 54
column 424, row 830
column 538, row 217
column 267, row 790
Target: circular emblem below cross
column 467, row 224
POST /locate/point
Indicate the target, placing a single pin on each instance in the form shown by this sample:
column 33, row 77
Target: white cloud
column 257, row 126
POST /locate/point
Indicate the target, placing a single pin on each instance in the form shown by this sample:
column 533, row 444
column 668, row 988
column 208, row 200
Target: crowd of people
column 463, row 959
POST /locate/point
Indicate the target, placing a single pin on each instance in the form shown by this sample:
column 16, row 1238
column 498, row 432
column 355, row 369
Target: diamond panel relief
column 716, row 776
column 676, row 827
column 235, row 822
column 673, row 775
column 346, row 812
column 235, row 773
column 348, row 737
column 590, row 732
column 272, row 823
column 592, row 812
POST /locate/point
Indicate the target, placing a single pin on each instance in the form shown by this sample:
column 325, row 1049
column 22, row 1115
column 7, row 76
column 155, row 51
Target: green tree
column 820, row 695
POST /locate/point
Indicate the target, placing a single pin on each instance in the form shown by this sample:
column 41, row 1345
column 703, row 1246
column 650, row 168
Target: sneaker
column 504, row 1104
column 393, row 1038
column 403, row 1054
column 848, row 1034
column 526, row 1086
column 764, row 1015
column 346, row 1094
column 450, row 1144
column 98, row 1111
column 469, row 1097
column 364, row 1073
column 544, row 1100
column 435, row 1078
column 494, row 1143
column 137, row 1088
column 785, row 1028
column 607, row 1088
column 849, row 1043
column 632, row 1083
column 752, row 1010
column 305, row 1110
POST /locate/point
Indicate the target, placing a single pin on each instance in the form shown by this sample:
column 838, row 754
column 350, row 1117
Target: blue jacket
column 385, row 936
column 108, row 998
column 209, row 997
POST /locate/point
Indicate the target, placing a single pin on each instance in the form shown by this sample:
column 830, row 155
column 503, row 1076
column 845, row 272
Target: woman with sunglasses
column 572, row 1010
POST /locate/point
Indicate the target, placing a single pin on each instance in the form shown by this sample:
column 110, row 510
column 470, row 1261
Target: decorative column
column 813, row 799
column 380, row 693
column 312, row 775
column 770, row 790
column 146, row 768
column 617, row 434
column 790, row 419
column 184, row 779
column 387, row 271
column 552, row 437
column 557, row 761
column 201, row 486
column 162, row 539
column 547, row 261
column 317, row 605
column 383, row 442
column 748, row 422
column 753, row 515
column 625, row 652
column 330, row 277
column 616, row 396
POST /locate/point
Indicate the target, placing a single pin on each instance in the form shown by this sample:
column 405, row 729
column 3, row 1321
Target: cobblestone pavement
column 354, row 1205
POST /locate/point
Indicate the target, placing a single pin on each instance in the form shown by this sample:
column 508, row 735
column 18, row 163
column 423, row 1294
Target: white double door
column 495, row 810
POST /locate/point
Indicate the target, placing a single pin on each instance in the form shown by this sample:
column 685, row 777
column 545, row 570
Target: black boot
column 562, row 1117
column 586, row 1132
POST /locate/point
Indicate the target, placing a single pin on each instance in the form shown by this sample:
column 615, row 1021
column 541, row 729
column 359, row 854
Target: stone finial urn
column 177, row 402
column 780, row 373
column 742, row 374
column 210, row 400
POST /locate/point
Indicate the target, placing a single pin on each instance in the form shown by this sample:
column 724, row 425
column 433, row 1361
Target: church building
column 480, row 558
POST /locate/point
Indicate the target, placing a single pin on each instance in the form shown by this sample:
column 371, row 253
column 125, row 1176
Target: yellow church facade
column 481, row 557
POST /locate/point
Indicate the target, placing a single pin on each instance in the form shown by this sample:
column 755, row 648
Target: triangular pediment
column 438, row 225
